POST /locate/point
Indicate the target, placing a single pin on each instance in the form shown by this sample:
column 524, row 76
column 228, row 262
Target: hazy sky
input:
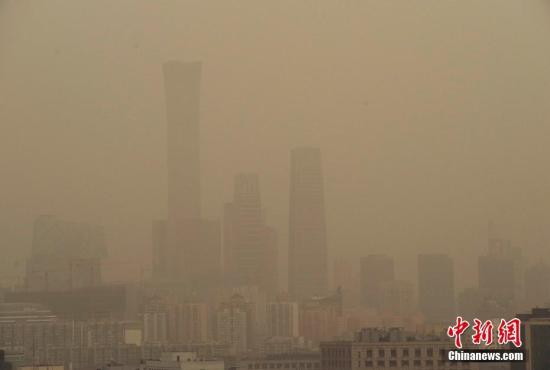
column 433, row 117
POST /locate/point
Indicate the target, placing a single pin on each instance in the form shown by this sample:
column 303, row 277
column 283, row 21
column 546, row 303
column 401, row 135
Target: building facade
column 307, row 260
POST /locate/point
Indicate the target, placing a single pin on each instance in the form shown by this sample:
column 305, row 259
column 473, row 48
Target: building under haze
column 375, row 270
column 392, row 348
column 65, row 255
column 397, row 298
column 188, row 323
column 436, row 287
column 319, row 317
column 501, row 275
column 307, row 254
column 537, row 289
column 187, row 248
column 535, row 335
column 235, row 323
column 283, row 319
column 250, row 247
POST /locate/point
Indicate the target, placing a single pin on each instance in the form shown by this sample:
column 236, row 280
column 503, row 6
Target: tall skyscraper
column 182, row 87
column 250, row 247
column 307, row 260
column 160, row 250
column 375, row 270
column 436, row 288
column 189, row 252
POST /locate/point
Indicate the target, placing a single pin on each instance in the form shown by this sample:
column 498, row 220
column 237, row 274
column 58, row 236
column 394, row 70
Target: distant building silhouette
column 501, row 274
column 187, row 248
column 436, row 289
column 182, row 83
column 105, row 301
column 65, row 255
column 375, row 270
column 307, row 260
column 161, row 253
column 397, row 298
column 250, row 247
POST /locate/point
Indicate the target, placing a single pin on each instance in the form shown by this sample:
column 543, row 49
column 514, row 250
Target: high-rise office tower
column 160, row 250
column 375, row 270
column 250, row 247
column 307, row 259
column 436, row 288
column 182, row 88
column 501, row 275
column 190, row 250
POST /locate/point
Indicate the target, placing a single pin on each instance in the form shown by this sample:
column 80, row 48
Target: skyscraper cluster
column 215, row 288
column 188, row 249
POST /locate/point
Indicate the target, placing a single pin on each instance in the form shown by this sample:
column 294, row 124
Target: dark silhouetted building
column 182, row 82
column 436, row 288
column 535, row 334
column 65, row 255
column 501, row 275
column 4, row 364
column 187, row 248
column 375, row 270
column 250, row 247
column 307, row 260
column 106, row 301
column 537, row 289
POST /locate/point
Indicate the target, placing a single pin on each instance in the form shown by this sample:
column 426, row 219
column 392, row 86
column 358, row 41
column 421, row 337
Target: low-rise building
column 182, row 361
column 294, row 361
column 377, row 349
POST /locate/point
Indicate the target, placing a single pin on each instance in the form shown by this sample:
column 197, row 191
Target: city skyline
column 393, row 142
column 288, row 185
